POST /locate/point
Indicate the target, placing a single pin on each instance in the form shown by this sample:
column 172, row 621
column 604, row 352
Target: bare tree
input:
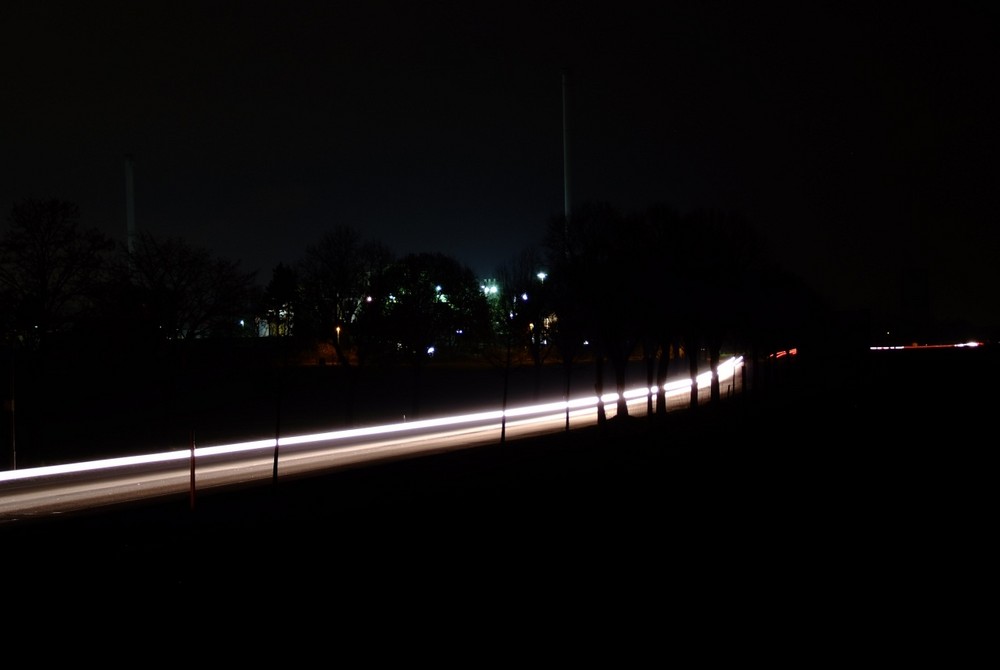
column 176, row 291
column 49, row 267
column 280, row 300
column 432, row 307
column 594, row 257
column 334, row 285
column 526, row 309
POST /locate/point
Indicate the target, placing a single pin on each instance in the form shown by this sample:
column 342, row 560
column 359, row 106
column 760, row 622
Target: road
column 53, row 490
column 861, row 482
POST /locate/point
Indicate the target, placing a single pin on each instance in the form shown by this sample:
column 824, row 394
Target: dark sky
column 860, row 138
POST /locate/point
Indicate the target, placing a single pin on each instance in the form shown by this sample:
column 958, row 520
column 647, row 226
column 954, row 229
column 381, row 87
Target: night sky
column 859, row 138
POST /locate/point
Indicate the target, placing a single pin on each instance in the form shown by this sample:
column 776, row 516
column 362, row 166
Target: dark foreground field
column 857, row 492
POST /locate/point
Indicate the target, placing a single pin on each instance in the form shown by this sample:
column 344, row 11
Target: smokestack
column 129, row 206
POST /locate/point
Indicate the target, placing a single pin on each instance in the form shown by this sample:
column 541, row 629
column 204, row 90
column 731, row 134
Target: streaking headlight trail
column 167, row 471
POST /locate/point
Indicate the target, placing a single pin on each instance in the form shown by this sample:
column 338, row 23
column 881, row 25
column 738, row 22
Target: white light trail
column 541, row 411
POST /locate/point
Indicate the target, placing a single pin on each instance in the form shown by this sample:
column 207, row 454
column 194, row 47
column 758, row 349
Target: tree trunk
column 693, row 369
column 714, row 354
column 602, row 416
column 619, row 364
column 662, row 370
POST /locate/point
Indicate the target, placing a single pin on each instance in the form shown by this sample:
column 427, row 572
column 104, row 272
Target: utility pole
column 13, row 418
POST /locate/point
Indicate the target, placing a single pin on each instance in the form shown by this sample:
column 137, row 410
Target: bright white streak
column 726, row 370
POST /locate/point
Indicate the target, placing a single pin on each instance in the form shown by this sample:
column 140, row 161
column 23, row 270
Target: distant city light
column 925, row 346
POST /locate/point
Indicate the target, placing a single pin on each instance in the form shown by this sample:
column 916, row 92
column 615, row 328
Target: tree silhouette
column 50, row 271
column 591, row 260
column 334, row 288
column 172, row 290
column 658, row 272
column 432, row 306
column 50, row 268
column 727, row 255
column 281, row 300
column 337, row 279
column 523, row 299
column 568, row 325
column 521, row 312
column 376, row 261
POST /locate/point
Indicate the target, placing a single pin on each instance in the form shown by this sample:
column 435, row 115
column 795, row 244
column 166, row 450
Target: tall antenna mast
column 565, row 111
column 129, row 207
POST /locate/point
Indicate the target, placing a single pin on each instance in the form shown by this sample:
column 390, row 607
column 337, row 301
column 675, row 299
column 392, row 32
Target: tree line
column 604, row 285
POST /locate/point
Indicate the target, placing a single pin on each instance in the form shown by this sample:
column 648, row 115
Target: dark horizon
column 860, row 144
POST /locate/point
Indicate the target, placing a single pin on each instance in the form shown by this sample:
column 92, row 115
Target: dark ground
column 819, row 506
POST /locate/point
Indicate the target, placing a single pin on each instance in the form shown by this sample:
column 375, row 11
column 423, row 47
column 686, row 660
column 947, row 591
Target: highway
column 58, row 489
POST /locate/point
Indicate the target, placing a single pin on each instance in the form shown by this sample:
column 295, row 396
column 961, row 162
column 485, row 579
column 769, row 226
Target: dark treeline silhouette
column 605, row 286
